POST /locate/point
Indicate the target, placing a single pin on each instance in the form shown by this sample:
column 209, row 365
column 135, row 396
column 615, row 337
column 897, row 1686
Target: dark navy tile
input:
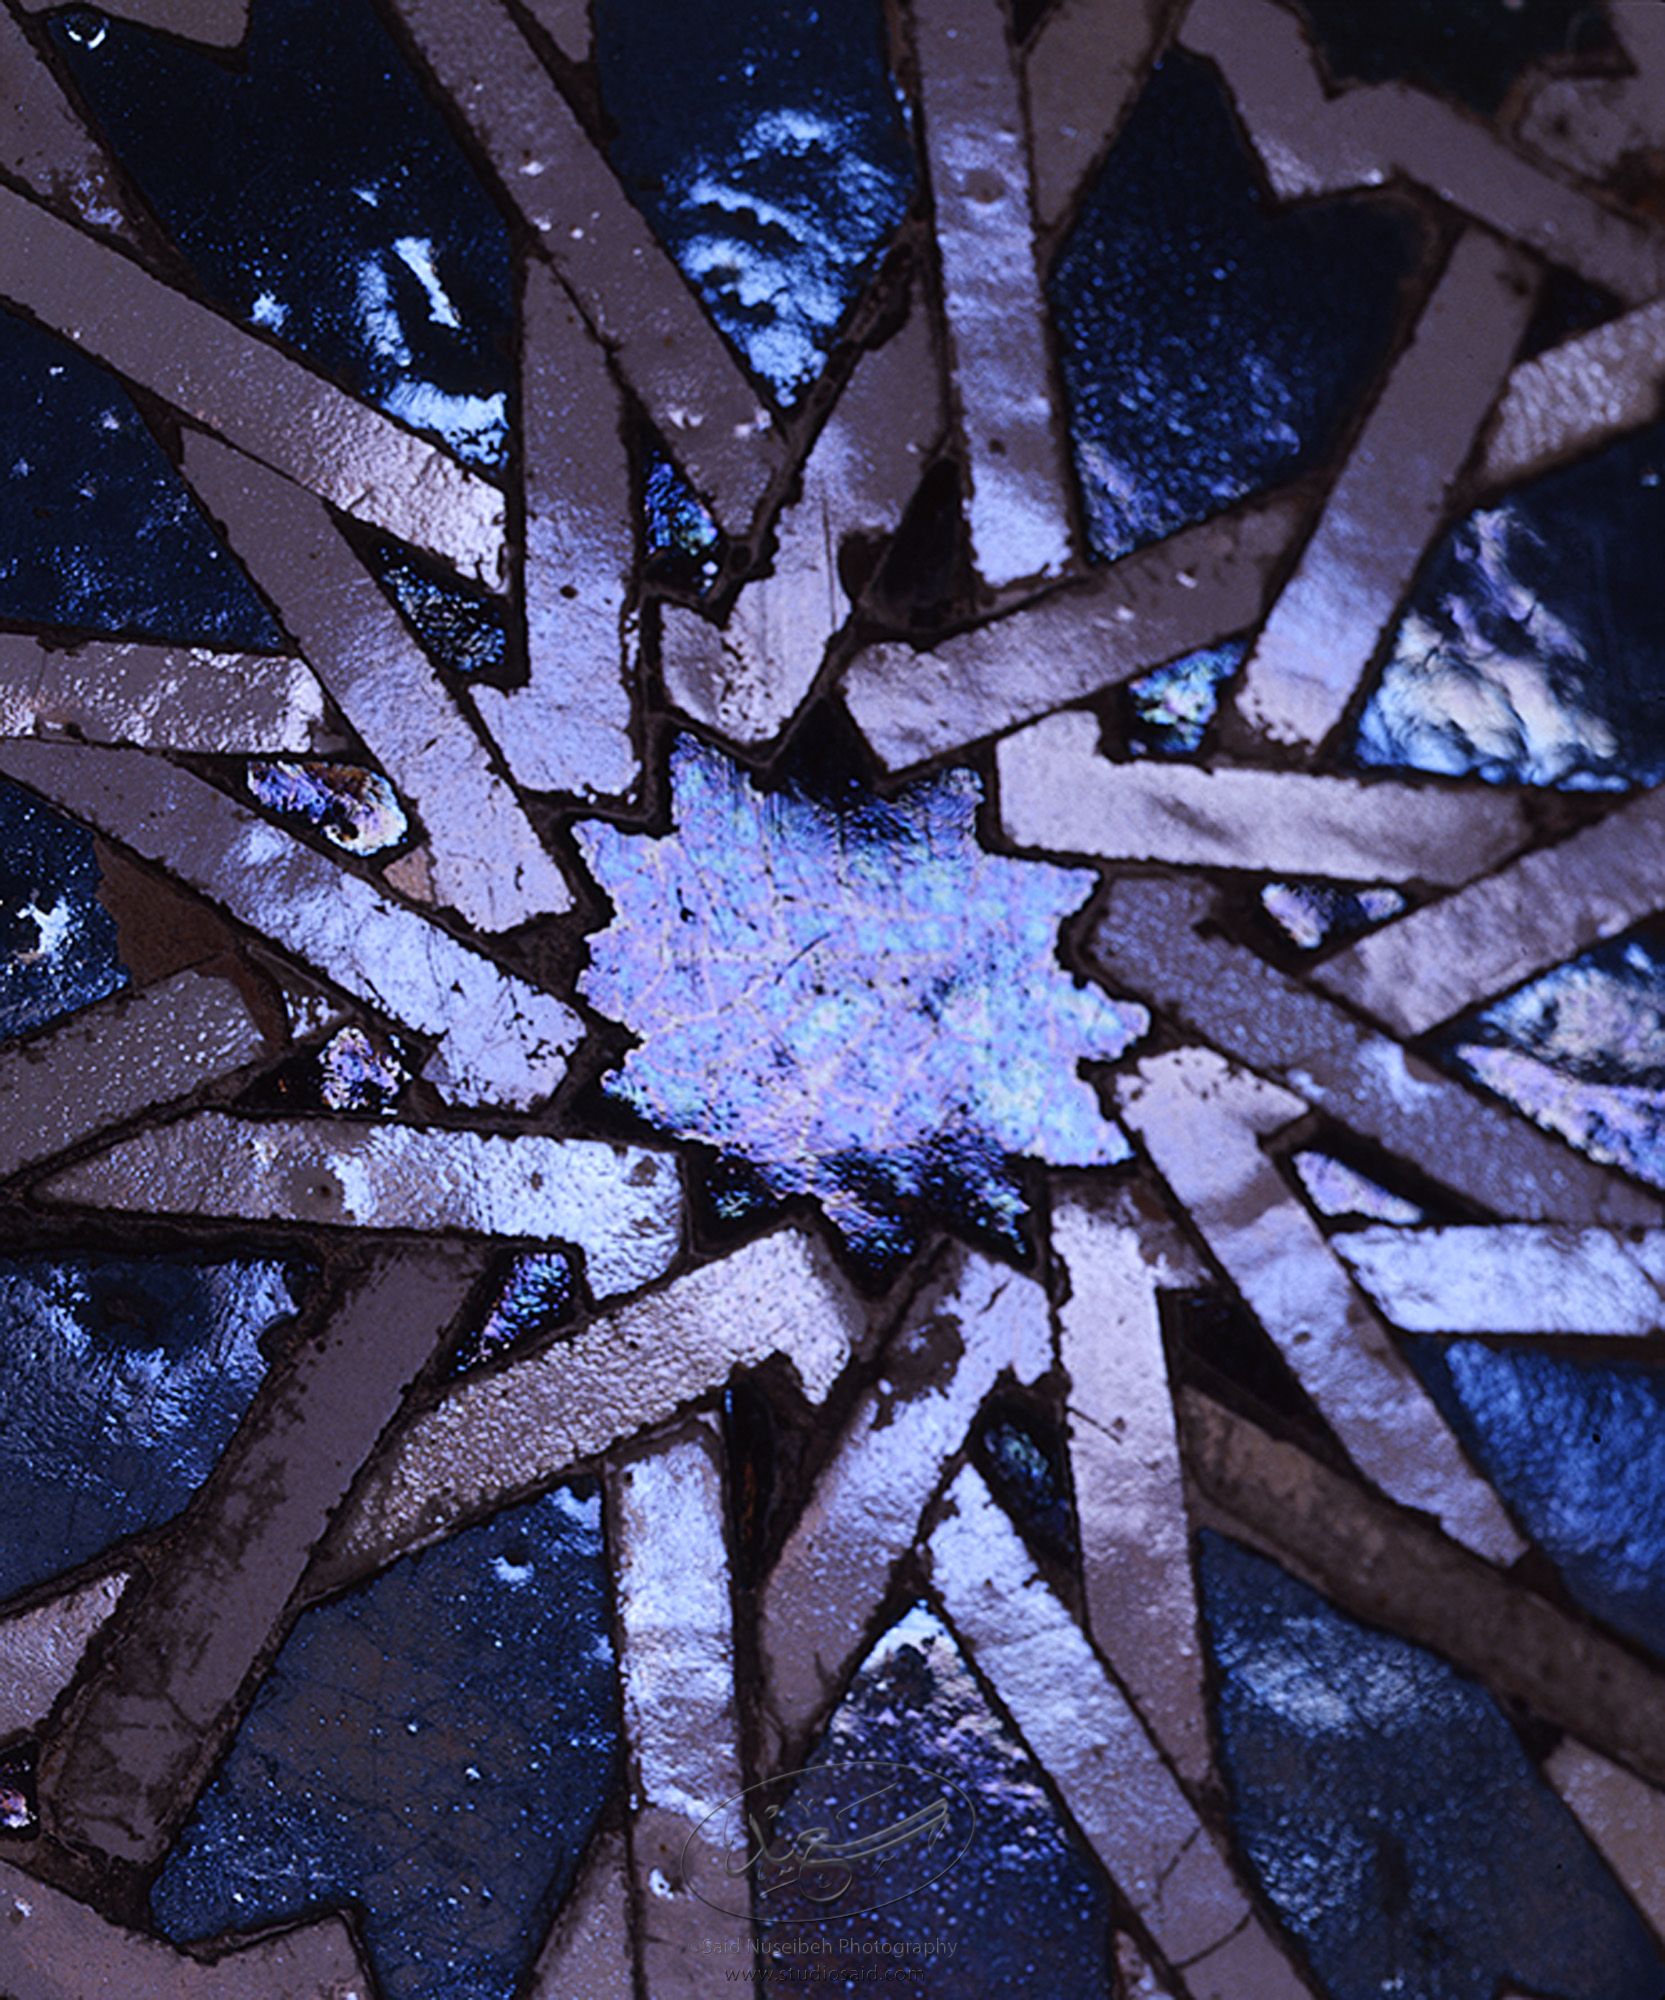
column 121, row 1382
column 1023, row 1906
column 58, row 946
column 1391, row 1815
column 434, row 1748
column 1472, row 50
column 317, row 191
column 97, row 530
column 1191, row 382
column 1577, row 1449
column 538, row 1294
column 462, row 629
column 765, row 143
column 1023, row 1456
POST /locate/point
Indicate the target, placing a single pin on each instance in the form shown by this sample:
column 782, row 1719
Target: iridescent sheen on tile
column 317, row 192
column 846, row 997
column 1531, row 651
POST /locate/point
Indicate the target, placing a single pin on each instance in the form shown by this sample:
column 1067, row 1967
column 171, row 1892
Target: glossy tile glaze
column 845, row 997
column 1392, row 1816
column 58, row 948
column 318, row 195
column 774, row 162
column 433, row 1748
column 97, row 530
column 1190, row 386
column 1476, row 49
column 124, row 1379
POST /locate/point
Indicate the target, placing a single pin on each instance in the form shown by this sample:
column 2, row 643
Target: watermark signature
column 835, row 1840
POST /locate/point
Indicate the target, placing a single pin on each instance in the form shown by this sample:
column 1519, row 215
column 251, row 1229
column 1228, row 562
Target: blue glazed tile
column 1472, row 50
column 1393, row 1818
column 1531, row 650
column 1024, row 1906
column 1581, row 1050
column 1191, row 383
column 354, row 809
column 1577, row 1449
column 317, row 192
column 1168, row 711
column 121, row 1382
column 434, row 1747
column 765, row 145
column 460, row 628
column 538, row 1294
column 98, row 532
column 58, row 947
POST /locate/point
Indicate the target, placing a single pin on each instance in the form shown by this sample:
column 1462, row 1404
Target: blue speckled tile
column 434, row 1748
column 1191, row 384
column 98, row 533
column 461, row 628
column 316, row 191
column 1393, row 1818
column 766, row 145
column 121, row 1382
column 58, row 947
column 1168, row 711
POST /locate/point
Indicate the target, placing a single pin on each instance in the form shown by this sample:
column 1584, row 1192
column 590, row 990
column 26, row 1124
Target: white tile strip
column 1201, row 1121
column 1059, row 794
column 1510, row 1278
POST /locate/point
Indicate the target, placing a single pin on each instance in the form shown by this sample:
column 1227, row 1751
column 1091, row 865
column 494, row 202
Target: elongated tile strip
column 1312, row 143
column 589, row 1954
column 500, row 1041
column 1139, row 1982
column 221, row 24
column 970, row 1322
column 1321, row 636
column 159, row 697
column 748, row 677
column 1097, row 1752
column 1589, row 124
column 676, row 1632
column 511, row 1432
column 1058, row 793
column 1082, row 69
column 621, row 1205
column 118, row 1058
column 1624, row 1817
column 1513, row 1278
column 665, row 347
column 1201, row 1121
column 1577, row 396
column 59, row 1949
column 977, row 159
column 40, row 1649
column 255, row 396
column 1395, row 1570
column 1546, row 907
column 1124, row 1458
column 1148, row 943
column 1197, row 587
column 120, row 1772
column 567, row 23
column 485, row 859
column 568, row 728
column 43, row 142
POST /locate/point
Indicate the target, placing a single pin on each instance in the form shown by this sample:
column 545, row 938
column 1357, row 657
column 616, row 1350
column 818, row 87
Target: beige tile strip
column 589, row 1954
column 43, row 142
column 220, row 23
column 1081, row 72
column 41, row 1648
